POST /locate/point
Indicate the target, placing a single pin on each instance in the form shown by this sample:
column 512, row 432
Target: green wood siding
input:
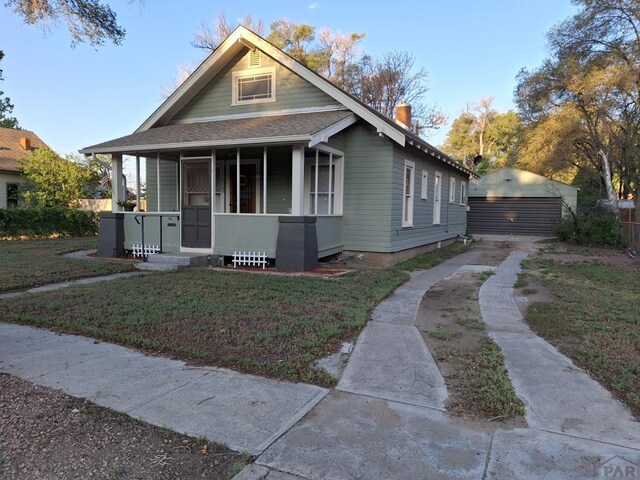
column 251, row 233
column 170, row 232
column 453, row 217
column 366, row 189
column 279, row 165
column 215, row 98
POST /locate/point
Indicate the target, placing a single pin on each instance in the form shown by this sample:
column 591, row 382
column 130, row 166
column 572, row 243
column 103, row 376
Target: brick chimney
column 25, row 143
column 403, row 115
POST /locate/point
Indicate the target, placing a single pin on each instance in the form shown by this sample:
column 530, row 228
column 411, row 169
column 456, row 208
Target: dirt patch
column 49, row 435
column 564, row 252
column 451, row 325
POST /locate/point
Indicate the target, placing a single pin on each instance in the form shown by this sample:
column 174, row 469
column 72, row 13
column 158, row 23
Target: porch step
column 156, row 267
column 180, row 259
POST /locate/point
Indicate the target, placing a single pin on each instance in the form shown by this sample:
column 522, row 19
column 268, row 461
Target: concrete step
column 182, row 259
column 156, row 267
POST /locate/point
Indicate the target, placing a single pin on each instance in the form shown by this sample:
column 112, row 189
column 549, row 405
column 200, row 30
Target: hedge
column 35, row 222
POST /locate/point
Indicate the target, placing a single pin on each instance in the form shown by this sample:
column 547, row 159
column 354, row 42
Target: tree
column 482, row 130
column 6, row 107
column 209, row 39
column 87, row 20
column 53, row 180
column 590, row 88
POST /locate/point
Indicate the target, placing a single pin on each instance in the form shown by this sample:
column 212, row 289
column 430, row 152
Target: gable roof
column 241, row 38
column 11, row 150
column 519, row 174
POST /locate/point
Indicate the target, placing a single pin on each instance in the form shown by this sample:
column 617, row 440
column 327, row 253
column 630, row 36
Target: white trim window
column 424, row 193
column 437, row 197
column 407, row 194
column 463, row 193
column 257, row 85
column 452, row 190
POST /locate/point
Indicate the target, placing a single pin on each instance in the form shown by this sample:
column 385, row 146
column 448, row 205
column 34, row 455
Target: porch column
column 297, row 180
column 117, row 190
column 138, row 192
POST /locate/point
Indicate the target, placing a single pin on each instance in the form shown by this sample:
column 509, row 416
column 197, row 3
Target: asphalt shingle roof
column 11, row 150
column 221, row 130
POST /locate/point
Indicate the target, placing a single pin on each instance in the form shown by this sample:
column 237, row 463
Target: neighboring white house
column 13, row 145
column 513, row 201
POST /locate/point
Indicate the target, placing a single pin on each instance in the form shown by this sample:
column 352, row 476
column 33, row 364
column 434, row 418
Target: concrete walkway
column 385, row 420
column 82, row 281
column 559, row 396
column 244, row 411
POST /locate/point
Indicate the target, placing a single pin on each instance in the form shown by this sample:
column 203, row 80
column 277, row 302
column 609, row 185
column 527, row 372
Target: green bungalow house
column 253, row 143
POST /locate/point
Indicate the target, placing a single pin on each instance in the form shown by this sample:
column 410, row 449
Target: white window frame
column 424, row 194
column 437, row 198
column 335, row 161
column 408, row 196
column 463, row 193
column 452, row 190
column 237, row 75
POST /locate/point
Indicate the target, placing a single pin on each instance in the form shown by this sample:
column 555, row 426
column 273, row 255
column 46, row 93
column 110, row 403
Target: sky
column 76, row 97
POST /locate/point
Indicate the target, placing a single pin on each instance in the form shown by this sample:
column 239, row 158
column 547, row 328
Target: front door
column 247, row 189
column 196, row 205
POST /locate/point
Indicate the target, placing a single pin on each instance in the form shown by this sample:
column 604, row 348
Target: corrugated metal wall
column 510, row 215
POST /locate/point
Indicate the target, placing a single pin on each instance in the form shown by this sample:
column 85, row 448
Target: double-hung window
column 257, row 85
column 452, row 190
column 424, row 195
column 407, row 197
column 12, row 195
column 463, row 193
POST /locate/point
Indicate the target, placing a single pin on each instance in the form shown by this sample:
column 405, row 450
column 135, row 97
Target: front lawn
column 277, row 326
column 29, row 263
column 594, row 318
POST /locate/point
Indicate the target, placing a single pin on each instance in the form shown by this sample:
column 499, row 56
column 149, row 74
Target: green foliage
column 6, row 107
column 54, row 181
column 595, row 227
column 46, row 221
column 87, row 20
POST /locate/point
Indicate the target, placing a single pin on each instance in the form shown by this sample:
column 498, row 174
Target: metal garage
column 512, row 201
column 525, row 216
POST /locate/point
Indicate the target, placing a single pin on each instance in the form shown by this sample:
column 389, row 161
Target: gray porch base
column 175, row 261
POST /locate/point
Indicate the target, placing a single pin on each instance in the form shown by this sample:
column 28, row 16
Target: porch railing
column 142, row 231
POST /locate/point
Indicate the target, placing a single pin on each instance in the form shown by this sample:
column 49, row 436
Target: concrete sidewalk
column 244, row 411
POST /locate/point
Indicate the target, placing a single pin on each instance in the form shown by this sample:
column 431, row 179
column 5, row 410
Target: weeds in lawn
column 595, row 320
column 444, row 334
column 470, row 323
column 486, row 383
column 484, row 276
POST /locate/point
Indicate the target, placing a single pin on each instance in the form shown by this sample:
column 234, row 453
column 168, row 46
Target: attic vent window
column 254, row 58
column 257, row 85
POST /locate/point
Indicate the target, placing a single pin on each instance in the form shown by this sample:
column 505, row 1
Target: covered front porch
column 229, row 199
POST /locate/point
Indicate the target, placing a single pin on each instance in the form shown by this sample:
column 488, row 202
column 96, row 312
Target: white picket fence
column 250, row 259
column 138, row 252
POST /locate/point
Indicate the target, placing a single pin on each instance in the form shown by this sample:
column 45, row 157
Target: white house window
column 322, row 183
column 437, row 192
column 425, row 184
column 463, row 193
column 452, row 190
column 407, row 204
column 257, row 85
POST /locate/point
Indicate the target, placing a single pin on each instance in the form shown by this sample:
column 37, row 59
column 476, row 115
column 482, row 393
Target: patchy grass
column 484, row 276
column 276, row 326
column 431, row 259
column 594, row 319
column 29, row 263
column 485, row 385
column 471, row 363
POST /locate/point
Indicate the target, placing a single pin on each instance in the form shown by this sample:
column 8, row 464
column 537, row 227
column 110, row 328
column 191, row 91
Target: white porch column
column 138, row 192
column 297, row 180
column 117, row 190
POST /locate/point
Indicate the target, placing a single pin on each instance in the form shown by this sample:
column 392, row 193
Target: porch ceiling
column 280, row 128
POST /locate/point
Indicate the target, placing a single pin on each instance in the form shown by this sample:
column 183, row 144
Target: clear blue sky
column 73, row 98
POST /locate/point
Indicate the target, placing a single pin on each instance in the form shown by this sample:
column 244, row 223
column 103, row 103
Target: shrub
column 595, row 227
column 36, row 222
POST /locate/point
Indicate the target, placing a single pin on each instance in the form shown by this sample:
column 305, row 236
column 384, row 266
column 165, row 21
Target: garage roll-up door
column 511, row 215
